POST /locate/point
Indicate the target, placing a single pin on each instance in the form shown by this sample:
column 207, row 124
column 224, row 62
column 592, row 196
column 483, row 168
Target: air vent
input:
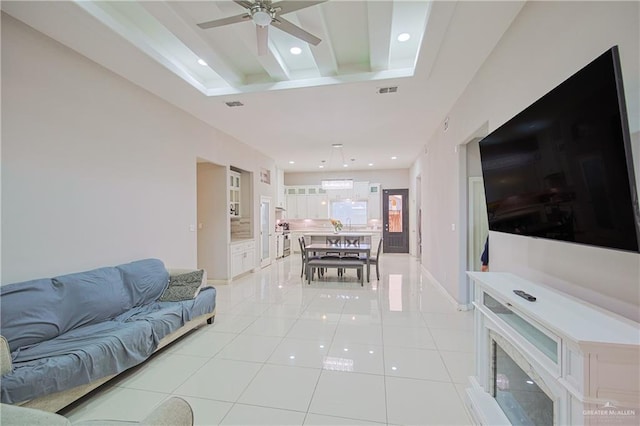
column 383, row 90
column 232, row 104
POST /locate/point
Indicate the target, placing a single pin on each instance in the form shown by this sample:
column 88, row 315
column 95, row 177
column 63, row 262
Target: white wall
column 546, row 43
column 95, row 170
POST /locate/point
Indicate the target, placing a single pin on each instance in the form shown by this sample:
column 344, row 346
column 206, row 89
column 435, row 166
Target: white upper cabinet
column 280, row 190
column 234, row 193
column 313, row 202
column 374, row 205
column 360, row 191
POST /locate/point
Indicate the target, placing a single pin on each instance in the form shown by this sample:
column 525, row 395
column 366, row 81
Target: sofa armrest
column 11, row 415
column 6, row 366
column 179, row 271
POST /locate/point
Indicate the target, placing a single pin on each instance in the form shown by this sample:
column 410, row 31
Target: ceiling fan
column 265, row 13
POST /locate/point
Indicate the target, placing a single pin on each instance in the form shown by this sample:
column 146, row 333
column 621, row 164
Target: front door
column 395, row 213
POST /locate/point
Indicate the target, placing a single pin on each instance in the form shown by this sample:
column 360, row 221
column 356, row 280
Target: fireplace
column 554, row 361
column 522, row 398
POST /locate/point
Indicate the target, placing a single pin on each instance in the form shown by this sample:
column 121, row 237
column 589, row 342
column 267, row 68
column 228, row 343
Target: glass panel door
column 395, row 213
column 395, row 217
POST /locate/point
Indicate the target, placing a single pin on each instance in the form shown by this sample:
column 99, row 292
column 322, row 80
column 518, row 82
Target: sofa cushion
column 90, row 297
column 38, row 310
column 183, row 287
column 76, row 358
column 144, row 280
column 27, row 312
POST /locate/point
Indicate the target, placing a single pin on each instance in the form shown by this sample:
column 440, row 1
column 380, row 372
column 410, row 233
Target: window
column 349, row 212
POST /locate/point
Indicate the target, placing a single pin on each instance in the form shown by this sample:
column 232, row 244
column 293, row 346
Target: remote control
column 524, row 295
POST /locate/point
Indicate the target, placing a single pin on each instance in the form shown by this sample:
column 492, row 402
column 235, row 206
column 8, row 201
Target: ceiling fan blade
column 295, row 31
column 291, row 6
column 262, row 34
column 244, row 3
column 224, row 21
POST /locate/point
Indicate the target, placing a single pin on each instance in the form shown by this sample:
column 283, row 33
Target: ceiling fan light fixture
column 261, row 17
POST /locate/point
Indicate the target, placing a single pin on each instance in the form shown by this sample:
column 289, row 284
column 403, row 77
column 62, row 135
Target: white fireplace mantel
column 587, row 359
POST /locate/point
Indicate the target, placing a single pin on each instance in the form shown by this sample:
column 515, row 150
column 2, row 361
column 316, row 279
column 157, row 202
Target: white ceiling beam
column 176, row 20
column 380, row 15
column 312, row 20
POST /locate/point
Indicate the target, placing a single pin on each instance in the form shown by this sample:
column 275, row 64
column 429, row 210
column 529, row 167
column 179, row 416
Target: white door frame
column 266, row 232
column 478, row 223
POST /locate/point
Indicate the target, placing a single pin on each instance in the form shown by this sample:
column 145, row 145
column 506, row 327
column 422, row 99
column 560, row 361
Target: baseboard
column 450, row 298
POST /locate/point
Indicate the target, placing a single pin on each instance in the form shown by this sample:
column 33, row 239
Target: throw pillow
column 183, row 287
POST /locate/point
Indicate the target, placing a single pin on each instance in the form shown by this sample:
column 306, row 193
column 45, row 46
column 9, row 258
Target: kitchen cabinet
column 280, row 189
column 317, row 203
column 374, row 202
column 243, row 256
column 234, row 193
column 296, row 205
column 307, row 202
column 360, row 191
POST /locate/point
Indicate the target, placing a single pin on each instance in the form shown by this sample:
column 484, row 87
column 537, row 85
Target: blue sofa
column 69, row 334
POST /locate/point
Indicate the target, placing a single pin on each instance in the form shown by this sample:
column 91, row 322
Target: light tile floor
column 282, row 352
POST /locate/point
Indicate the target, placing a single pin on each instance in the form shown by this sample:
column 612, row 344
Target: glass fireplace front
column 521, row 399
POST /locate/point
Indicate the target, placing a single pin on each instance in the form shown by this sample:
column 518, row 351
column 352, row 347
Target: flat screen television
column 562, row 169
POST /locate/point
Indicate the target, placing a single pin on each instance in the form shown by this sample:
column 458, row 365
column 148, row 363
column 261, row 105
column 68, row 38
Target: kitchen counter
column 239, row 240
column 321, row 233
column 319, row 236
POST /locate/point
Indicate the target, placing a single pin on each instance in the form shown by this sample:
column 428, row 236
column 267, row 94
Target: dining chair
column 334, row 241
column 352, row 241
column 306, row 257
column 376, row 260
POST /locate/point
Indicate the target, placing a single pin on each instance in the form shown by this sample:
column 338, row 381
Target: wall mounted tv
column 562, row 169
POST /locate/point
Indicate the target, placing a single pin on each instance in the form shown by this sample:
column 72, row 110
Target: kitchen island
column 320, row 237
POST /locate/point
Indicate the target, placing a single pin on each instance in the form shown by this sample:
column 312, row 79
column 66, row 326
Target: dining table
column 342, row 248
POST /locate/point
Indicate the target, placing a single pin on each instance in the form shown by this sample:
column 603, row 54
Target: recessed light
column 202, row 62
column 295, row 50
column 404, row 37
column 321, row 166
column 292, row 162
column 336, row 145
column 345, row 165
column 370, row 164
column 394, row 158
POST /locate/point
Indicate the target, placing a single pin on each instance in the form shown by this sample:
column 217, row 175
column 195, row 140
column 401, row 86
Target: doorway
column 478, row 223
column 395, row 213
column 419, row 218
column 266, row 231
